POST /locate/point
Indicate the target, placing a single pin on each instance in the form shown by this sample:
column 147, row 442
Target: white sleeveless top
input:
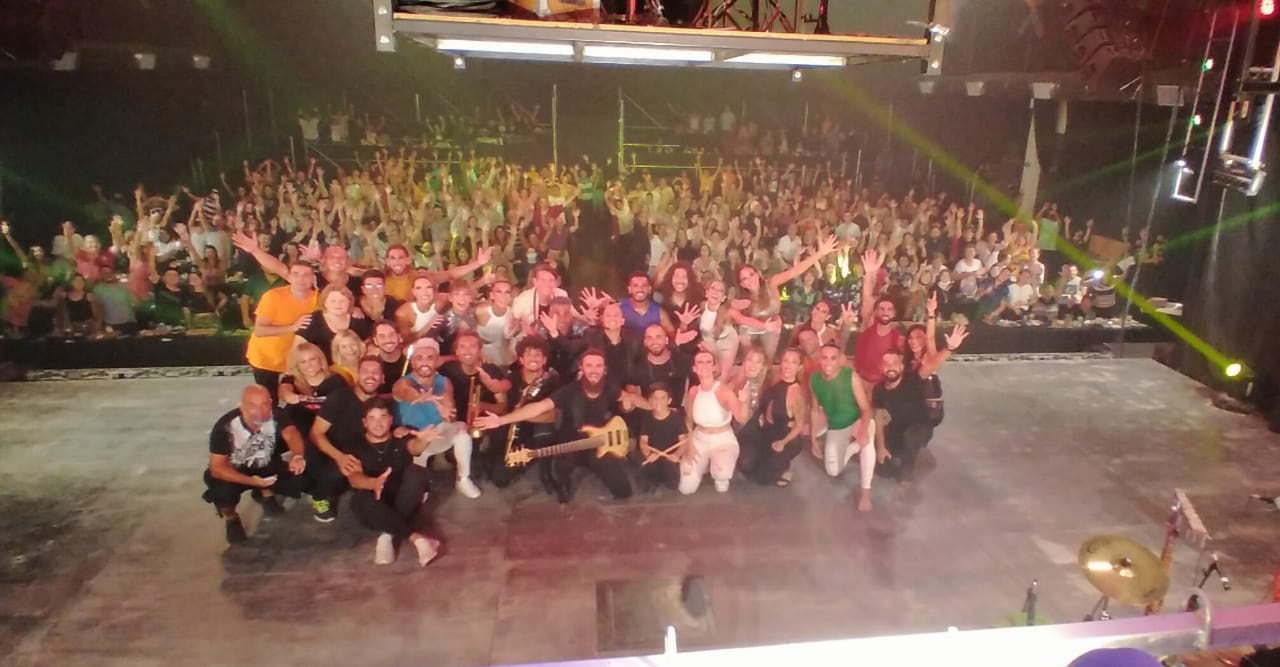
column 707, row 411
column 497, row 348
column 421, row 320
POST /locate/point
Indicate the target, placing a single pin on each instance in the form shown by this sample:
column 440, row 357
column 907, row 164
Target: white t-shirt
column 310, row 128
column 656, row 250
column 1021, row 296
column 787, row 248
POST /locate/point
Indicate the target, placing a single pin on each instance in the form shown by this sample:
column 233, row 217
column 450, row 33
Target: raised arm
column 934, row 362
column 825, row 247
column 871, row 263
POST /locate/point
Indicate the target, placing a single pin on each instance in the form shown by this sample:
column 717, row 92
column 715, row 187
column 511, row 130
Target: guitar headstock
column 518, row 457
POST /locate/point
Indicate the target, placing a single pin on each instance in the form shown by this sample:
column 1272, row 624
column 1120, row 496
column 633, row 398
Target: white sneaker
column 722, row 485
column 384, row 552
column 468, row 488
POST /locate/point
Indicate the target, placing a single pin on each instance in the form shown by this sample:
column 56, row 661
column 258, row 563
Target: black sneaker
column 325, row 510
column 270, row 504
column 235, row 531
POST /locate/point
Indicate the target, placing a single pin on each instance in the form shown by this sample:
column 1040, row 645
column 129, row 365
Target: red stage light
column 1267, row 8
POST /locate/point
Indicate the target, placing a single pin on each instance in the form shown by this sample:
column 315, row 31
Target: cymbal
column 1123, row 570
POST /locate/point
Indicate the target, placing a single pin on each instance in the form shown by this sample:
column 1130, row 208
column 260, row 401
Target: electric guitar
column 611, row 439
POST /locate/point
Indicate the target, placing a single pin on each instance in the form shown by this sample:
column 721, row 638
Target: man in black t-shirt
column 468, row 374
column 388, row 487
column 339, row 425
column 531, row 380
column 903, row 425
column 389, row 347
column 246, row 453
column 589, row 402
column 661, row 363
column 662, row 429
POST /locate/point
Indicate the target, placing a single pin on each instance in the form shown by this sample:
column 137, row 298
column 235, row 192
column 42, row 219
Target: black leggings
column 226, row 495
column 771, row 464
column 395, row 511
column 327, row 481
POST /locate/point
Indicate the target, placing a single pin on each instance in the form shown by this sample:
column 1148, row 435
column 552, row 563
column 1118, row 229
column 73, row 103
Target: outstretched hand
column 957, row 336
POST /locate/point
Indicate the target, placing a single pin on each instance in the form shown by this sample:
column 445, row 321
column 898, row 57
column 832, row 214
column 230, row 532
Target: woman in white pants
column 849, row 428
column 713, row 447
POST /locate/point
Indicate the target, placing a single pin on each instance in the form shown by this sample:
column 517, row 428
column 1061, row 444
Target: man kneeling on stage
column 388, row 489
column 246, row 453
column 425, row 405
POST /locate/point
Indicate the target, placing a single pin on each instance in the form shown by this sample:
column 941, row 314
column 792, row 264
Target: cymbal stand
column 1100, row 611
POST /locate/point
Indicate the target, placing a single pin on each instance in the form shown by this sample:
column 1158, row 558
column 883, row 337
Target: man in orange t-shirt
column 281, row 312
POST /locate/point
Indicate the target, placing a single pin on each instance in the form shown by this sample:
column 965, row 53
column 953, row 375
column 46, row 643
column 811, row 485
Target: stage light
column 384, row 39
column 459, row 62
column 797, row 76
column 1267, row 8
column 1206, row 65
column 936, row 64
column 1196, row 120
column 145, row 61
column 503, row 47
column 1180, row 163
column 975, row 88
column 1097, row 274
column 1233, row 369
column 200, row 62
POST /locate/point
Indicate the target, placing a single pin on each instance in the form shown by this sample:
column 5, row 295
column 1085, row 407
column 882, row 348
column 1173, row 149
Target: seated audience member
column 246, row 448
column 114, row 304
column 1045, row 309
column 663, row 439
column 337, row 425
column 903, row 423
column 424, row 404
column 1019, row 296
column 388, row 489
column 1069, row 292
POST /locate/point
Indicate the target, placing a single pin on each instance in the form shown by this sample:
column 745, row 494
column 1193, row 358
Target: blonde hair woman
column 346, row 352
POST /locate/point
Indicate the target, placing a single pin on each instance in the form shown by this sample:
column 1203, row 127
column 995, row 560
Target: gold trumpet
column 473, row 407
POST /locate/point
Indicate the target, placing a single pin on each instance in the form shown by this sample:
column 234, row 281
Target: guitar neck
column 567, row 447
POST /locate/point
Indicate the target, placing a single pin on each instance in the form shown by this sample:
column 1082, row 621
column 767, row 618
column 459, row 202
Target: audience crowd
column 446, row 307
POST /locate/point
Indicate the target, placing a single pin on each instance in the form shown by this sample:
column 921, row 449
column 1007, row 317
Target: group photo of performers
column 657, row 390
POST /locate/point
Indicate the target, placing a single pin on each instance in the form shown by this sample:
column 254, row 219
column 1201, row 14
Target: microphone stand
column 1029, row 604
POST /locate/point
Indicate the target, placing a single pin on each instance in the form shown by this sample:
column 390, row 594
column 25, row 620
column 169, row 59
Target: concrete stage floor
column 109, row 557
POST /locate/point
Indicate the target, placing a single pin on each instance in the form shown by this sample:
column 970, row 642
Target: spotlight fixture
column 1180, row 163
column 200, row 62
column 1240, row 174
column 459, row 62
column 145, row 61
column 1233, row 369
column 1043, row 91
column 797, row 76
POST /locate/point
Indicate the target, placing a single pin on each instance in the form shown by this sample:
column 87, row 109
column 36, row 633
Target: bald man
column 252, row 448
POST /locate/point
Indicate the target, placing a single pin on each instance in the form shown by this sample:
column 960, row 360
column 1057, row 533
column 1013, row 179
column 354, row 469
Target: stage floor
column 109, row 557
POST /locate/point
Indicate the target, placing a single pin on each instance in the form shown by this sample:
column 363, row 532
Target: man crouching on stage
column 388, row 489
column 246, row 453
column 425, row 407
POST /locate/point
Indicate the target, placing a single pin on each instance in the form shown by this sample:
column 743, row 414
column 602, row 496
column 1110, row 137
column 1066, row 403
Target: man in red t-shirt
column 880, row 332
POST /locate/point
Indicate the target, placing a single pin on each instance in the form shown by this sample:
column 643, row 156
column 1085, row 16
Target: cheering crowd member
column 388, row 490
column 849, row 430
column 880, row 333
column 425, row 404
column 589, row 402
column 246, row 448
column 282, row 312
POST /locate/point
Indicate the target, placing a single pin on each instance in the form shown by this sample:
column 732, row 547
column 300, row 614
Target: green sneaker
column 325, row 511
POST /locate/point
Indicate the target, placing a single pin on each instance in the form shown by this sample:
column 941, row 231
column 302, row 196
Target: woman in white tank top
column 495, row 325
column 711, row 408
column 416, row 317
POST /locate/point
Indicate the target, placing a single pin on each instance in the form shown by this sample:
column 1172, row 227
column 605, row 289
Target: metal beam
column 469, row 27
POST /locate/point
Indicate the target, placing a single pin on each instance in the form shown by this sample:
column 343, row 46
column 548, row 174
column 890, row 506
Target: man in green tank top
column 850, row 429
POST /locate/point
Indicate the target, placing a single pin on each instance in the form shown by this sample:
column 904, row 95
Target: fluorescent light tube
column 613, row 52
column 791, row 59
column 513, row 48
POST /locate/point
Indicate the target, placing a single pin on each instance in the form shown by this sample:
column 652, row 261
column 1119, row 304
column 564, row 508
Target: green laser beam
column 867, row 105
